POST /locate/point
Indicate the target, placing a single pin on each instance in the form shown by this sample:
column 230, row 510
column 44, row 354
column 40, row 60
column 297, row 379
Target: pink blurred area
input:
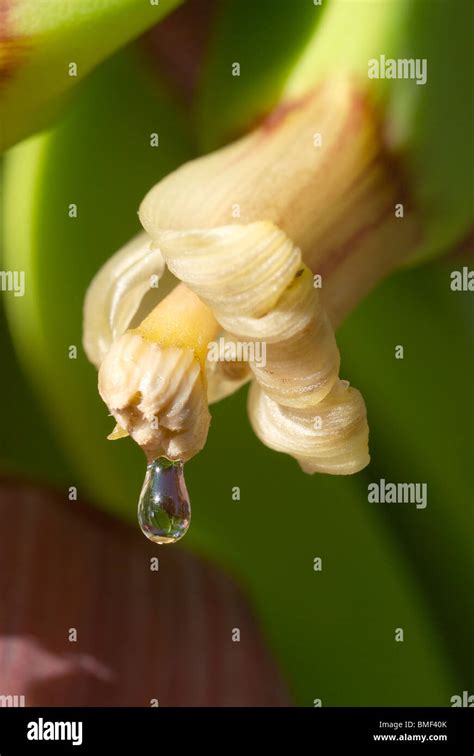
column 142, row 635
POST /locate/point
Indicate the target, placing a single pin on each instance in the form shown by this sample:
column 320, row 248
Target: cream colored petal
column 224, row 378
column 116, row 292
column 253, row 278
column 157, row 395
column 234, row 269
column 331, row 437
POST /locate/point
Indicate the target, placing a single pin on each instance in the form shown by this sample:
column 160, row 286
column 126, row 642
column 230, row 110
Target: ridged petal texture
column 253, row 278
column 116, row 292
column 157, row 395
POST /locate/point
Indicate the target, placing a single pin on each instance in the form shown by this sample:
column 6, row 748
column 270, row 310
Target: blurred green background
column 384, row 566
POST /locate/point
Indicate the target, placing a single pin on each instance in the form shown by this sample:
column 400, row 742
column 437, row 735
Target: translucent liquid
column 164, row 510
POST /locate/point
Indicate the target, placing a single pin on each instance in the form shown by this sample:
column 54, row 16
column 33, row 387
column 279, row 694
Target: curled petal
column 253, row 278
column 116, row 292
column 331, row 437
column 237, row 269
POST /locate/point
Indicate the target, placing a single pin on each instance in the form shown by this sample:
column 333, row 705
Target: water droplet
column 164, row 510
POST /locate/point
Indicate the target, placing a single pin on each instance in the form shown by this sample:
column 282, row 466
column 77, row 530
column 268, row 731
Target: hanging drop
column 164, row 509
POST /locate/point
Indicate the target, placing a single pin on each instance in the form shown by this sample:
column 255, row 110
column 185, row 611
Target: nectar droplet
column 164, row 509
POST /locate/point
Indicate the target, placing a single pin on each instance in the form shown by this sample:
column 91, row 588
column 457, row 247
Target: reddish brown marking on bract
column 277, row 116
column 394, row 171
column 263, row 126
column 336, row 256
column 271, row 119
column 12, row 47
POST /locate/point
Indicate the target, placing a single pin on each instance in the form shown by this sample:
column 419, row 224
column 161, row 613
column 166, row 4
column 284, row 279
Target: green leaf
column 47, row 46
column 24, row 421
column 421, row 417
